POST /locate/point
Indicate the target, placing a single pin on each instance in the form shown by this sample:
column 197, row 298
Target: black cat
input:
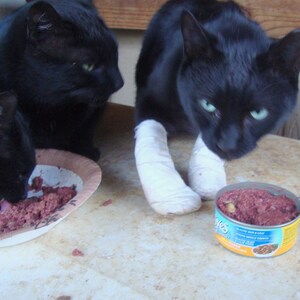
column 17, row 155
column 205, row 67
column 62, row 61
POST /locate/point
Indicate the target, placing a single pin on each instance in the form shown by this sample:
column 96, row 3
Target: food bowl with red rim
column 256, row 219
column 58, row 172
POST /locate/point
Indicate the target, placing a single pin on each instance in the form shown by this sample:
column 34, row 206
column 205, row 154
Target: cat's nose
column 119, row 83
column 17, row 197
column 226, row 145
column 229, row 138
column 117, row 79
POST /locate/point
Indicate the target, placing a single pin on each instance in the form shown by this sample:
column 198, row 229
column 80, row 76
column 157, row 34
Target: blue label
column 244, row 236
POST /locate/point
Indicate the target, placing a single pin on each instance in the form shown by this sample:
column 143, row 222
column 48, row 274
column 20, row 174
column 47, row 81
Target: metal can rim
column 261, row 186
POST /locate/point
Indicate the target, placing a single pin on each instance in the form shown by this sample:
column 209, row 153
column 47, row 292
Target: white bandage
column 164, row 189
column 206, row 171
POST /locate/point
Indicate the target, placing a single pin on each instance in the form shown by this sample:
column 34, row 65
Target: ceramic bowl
column 58, row 168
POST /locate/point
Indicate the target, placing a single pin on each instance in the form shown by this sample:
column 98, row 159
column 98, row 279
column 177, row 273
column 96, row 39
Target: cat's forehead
column 84, row 17
column 253, row 93
column 235, row 77
column 238, row 73
column 240, row 50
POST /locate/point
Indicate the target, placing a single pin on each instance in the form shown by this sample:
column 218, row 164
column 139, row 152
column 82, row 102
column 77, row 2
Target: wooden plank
column 276, row 16
column 129, row 14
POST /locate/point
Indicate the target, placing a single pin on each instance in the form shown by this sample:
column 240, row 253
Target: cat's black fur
column 17, row 155
column 198, row 50
column 62, row 62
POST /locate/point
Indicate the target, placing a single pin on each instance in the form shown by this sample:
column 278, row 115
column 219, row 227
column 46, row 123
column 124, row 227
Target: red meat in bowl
column 34, row 209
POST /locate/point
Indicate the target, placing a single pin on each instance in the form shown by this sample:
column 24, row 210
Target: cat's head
column 69, row 54
column 236, row 92
column 17, row 156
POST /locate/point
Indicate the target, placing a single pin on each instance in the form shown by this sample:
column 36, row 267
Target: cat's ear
column 197, row 41
column 284, row 56
column 8, row 106
column 42, row 19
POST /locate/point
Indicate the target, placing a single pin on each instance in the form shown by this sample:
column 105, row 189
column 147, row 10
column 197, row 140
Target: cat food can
column 253, row 240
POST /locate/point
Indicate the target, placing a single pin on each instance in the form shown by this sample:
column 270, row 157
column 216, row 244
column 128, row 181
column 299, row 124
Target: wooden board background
column 277, row 17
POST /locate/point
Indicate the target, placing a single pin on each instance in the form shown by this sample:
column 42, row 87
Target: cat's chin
column 98, row 102
column 230, row 155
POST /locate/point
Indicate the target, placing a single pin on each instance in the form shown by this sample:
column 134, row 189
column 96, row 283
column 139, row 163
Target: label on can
column 252, row 241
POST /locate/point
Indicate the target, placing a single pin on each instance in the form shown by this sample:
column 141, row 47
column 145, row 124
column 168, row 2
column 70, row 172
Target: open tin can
column 252, row 240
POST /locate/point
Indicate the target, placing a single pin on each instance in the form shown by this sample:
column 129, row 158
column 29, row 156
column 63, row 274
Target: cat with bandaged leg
column 207, row 69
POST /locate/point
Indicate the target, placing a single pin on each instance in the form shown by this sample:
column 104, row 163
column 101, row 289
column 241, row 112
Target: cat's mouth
column 88, row 97
column 240, row 149
column 230, row 155
column 97, row 103
column 225, row 156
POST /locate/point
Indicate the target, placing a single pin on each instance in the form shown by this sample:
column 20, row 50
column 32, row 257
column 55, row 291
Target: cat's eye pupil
column 88, row 67
column 207, row 106
column 259, row 114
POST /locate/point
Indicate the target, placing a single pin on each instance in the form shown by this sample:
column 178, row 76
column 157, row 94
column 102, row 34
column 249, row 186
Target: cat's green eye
column 207, row 106
column 259, row 114
column 88, row 67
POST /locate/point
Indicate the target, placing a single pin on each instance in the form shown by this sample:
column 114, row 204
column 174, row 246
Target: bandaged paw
column 206, row 172
column 164, row 189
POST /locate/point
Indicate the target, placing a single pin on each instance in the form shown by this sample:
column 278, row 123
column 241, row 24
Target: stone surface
column 130, row 252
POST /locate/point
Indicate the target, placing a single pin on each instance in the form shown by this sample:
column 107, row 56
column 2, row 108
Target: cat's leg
column 206, row 171
column 165, row 190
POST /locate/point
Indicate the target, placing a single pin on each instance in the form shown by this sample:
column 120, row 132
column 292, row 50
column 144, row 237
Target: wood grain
column 277, row 17
column 129, row 14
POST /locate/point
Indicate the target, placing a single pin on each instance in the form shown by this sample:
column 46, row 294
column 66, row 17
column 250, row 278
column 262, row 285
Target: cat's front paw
column 165, row 190
column 206, row 172
column 177, row 204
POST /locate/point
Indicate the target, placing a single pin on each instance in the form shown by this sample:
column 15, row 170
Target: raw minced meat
column 257, row 207
column 31, row 211
column 36, row 184
column 77, row 252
